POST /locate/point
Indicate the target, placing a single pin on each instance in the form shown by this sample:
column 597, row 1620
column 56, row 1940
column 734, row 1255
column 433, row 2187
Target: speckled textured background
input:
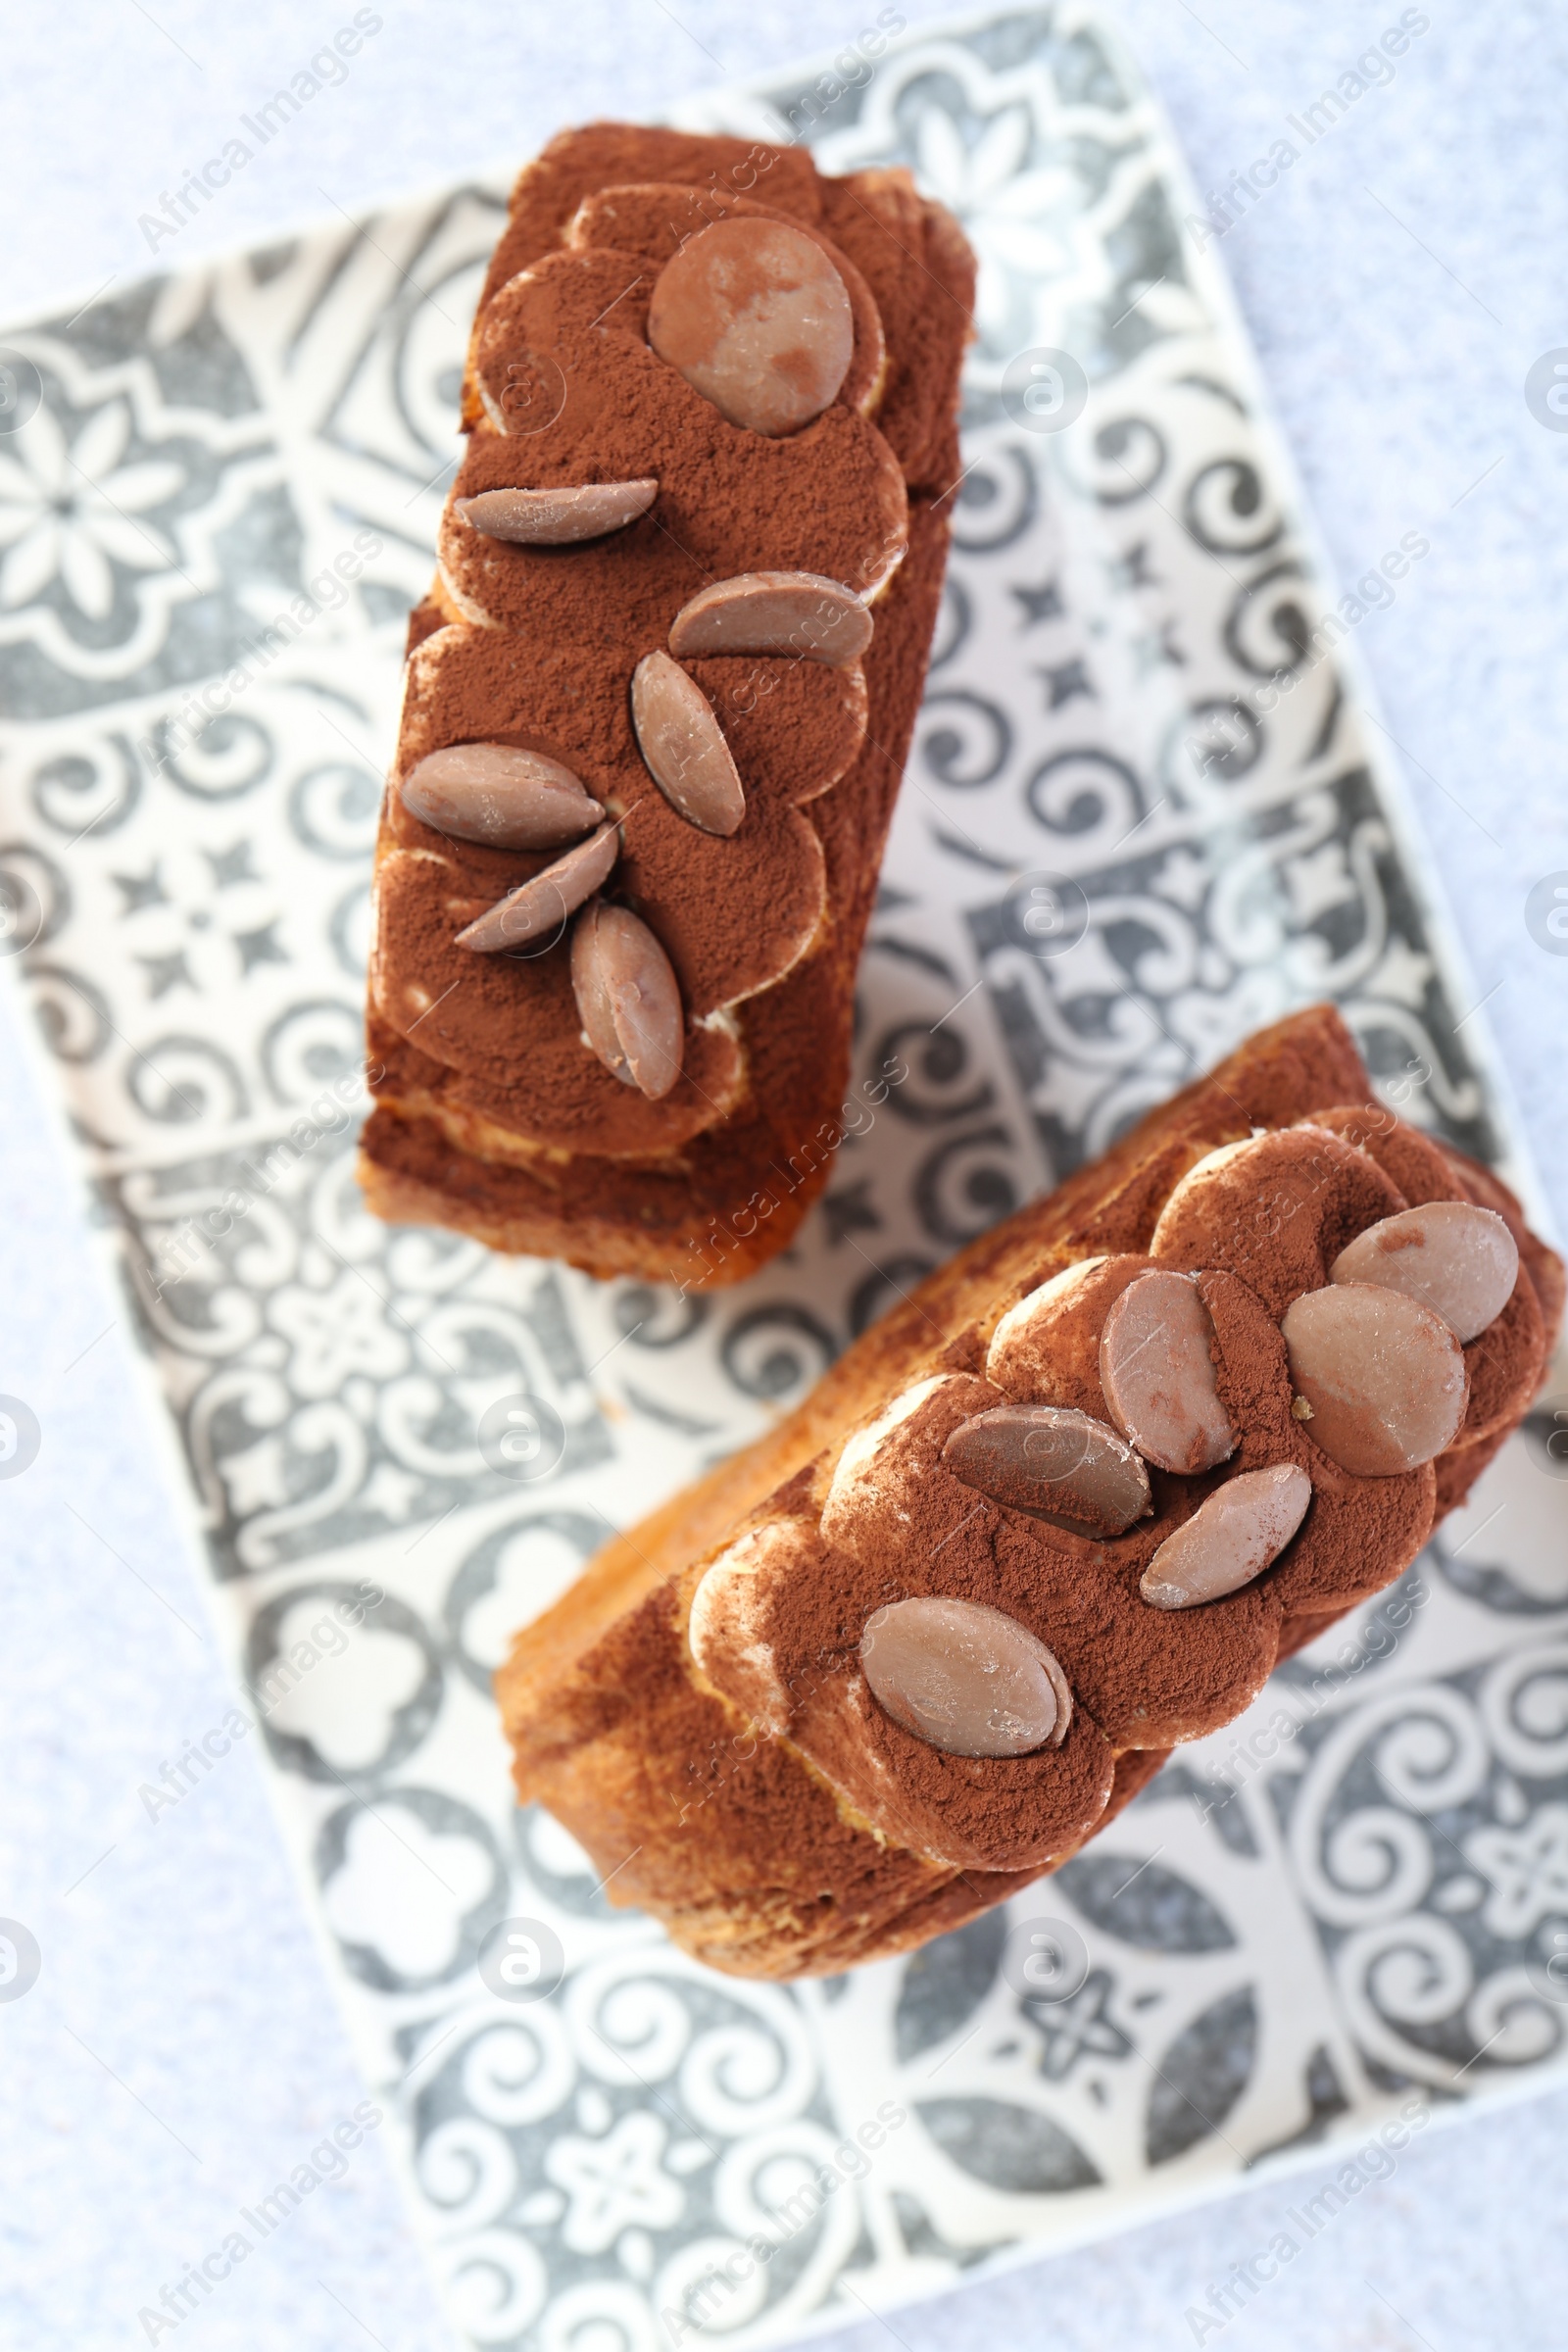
column 181, row 2050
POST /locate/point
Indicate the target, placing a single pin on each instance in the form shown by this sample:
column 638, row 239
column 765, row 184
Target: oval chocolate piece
column 1460, row 1260
column 505, row 799
column 557, row 518
column 684, row 746
column 1054, row 1464
column 799, row 613
column 755, row 318
column 965, row 1678
column 542, row 904
column 1157, row 1374
column 1385, row 1377
column 628, row 997
column 1233, row 1535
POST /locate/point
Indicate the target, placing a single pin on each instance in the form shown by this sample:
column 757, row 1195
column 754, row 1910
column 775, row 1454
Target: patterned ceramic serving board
column 1143, row 814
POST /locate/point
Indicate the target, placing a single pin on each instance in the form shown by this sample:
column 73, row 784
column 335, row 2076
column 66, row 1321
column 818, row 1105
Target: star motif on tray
column 1039, row 603
column 1526, row 1870
column 336, row 1333
column 1320, row 880
column 1404, row 974
column 1063, row 682
column 615, row 2183
column 850, row 1210
column 1077, row 2028
column 231, row 866
column 391, row 1491
column 260, row 947
column 1184, row 878
column 1157, row 646
column 165, row 972
column 141, row 890
column 1131, row 571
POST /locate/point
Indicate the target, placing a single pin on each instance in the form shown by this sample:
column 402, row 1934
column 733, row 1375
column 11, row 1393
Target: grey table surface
column 180, row 2049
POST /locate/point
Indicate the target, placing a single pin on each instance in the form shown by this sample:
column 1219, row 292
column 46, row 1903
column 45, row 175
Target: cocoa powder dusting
column 1278, row 1212
column 1504, row 1363
column 535, row 646
column 1410, row 1160
column 777, row 1873
column 1145, row 1678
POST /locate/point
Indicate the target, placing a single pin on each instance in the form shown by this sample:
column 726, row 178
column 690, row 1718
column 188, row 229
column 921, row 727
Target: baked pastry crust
column 492, row 1114
column 779, row 1826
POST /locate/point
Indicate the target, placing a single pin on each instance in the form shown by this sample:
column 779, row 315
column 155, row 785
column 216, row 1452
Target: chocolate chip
column 1460, row 1260
column 628, row 997
column 1054, row 1464
column 557, row 518
column 507, row 799
column 684, row 747
column 1385, row 1377
column 542, row 904
column 799, row 613
column 755, row 318
column 966, row 1679
column 1157, row 1374
column 1232, row 1537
